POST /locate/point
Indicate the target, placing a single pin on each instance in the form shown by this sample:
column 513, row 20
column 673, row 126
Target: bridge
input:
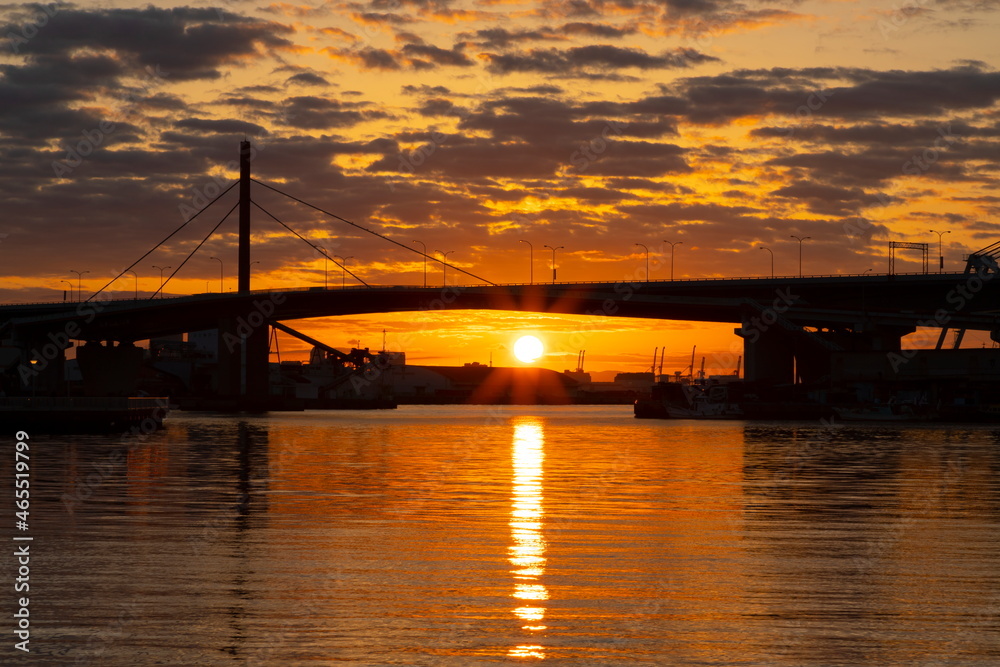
column 786, row 322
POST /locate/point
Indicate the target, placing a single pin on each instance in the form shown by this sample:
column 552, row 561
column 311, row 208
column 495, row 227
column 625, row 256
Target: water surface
column 481, row 535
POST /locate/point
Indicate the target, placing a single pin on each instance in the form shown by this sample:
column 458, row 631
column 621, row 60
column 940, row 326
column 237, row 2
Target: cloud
column 309, row 112
column 845, row 93
column 412, row 56
column 224, row 126
column 583, row 28
column 186, row 43
column 307, row 79
column 599, row 57
column 501, row 38
column 825, row 199
column 544, row 121
column 427, row 54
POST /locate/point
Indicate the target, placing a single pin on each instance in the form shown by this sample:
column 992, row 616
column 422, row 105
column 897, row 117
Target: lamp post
column 531, row 261
column 70, row 289
column 940, row 248
column 800, row 240
column 444, row 266
column 647, row 259
column 554, row 261
column 162, row 269
column 424, row 246
column 672, row 244
column 136, row 275
column 760, row 247
column 343, row 267
column 326, row 261
column 222, row 275
column 79, row 281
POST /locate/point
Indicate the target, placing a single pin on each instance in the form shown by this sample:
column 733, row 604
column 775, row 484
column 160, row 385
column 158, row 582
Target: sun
column 528, row 349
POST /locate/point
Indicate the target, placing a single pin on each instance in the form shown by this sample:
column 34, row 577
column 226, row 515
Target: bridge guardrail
column 465, row 285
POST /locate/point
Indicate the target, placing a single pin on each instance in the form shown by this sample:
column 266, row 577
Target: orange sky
column 594, row 125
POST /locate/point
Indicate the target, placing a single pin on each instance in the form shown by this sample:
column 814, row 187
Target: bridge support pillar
column 109, row 370
column 243, row 363
column 769, row 356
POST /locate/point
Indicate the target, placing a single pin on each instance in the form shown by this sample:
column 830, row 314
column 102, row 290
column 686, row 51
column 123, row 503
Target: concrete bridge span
column 784, row 321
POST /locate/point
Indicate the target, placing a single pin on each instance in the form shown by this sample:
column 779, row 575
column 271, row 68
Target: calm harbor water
column 478, row 535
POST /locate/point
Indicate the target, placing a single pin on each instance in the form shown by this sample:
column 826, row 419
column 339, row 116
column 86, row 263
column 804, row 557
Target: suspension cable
column 374, row 233
column 196, row 248
column 150, row 251
column 311, row 244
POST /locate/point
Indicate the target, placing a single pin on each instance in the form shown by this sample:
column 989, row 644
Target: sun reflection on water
column 527, row 549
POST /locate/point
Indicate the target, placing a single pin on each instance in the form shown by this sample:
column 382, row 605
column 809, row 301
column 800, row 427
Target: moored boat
column 72, row 414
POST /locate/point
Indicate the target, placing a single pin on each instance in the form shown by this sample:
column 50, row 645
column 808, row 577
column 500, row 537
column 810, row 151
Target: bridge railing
column 277, row 290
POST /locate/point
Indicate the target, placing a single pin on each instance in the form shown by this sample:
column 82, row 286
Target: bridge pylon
column 243, row 255
column 242, row 372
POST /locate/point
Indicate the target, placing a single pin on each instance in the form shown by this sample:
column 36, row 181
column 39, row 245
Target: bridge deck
column 958, row 300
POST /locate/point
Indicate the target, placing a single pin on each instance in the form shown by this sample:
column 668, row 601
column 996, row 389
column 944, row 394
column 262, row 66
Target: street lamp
column 760, row 247
column 800, row 240
column 444, row 266
column 162, row 269
column 531, row 261
column 424, row 246
column 136, row 275
column 554, row 261
column 79, row 281
column 70, row 289
column 343, row 267
column 222, row 282
column 647, row 259
column 940, row 249
column 672, row 256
